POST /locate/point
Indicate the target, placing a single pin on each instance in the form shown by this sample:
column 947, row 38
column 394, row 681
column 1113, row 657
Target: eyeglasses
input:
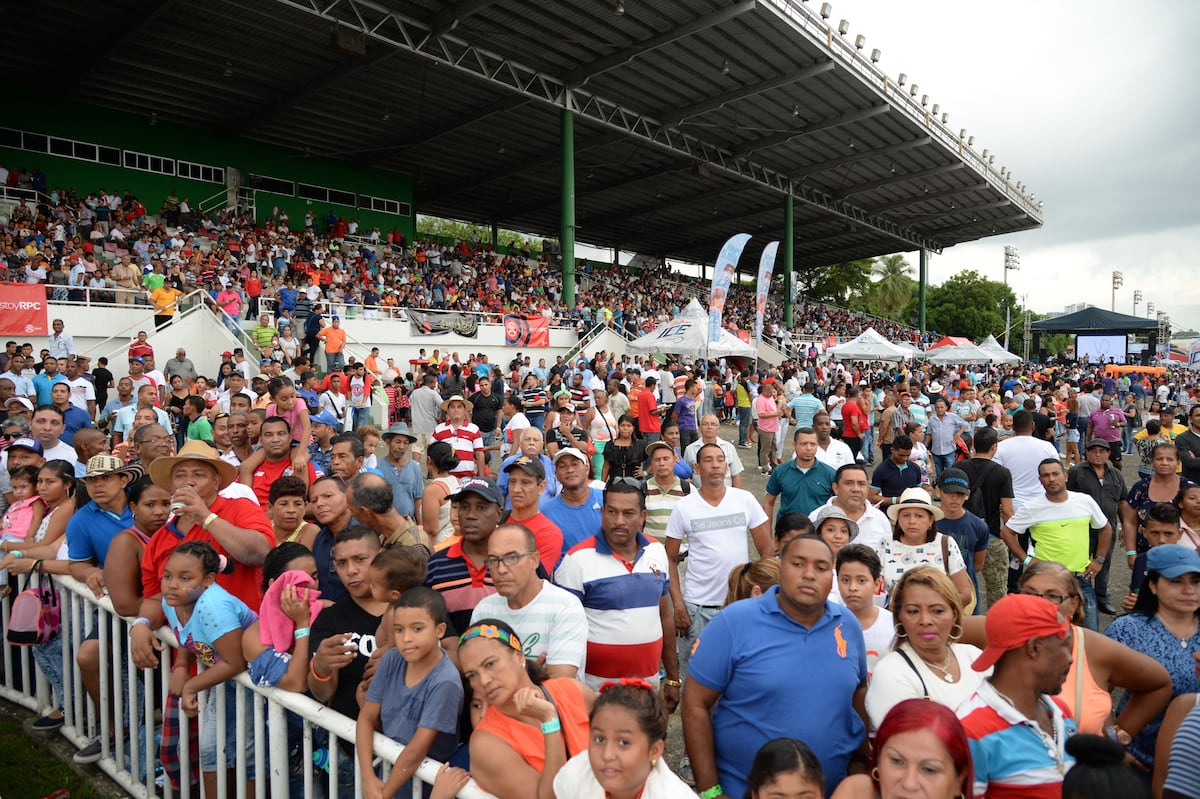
column 1057, row 599
column 509, row 560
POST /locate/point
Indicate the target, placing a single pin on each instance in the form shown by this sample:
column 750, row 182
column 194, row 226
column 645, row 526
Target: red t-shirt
column 854, row 421
column 244, row 583
column 270, row 471
column 648, row 420
column 549, row 538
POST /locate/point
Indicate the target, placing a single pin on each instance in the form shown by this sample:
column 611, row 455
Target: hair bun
column 1095, row 750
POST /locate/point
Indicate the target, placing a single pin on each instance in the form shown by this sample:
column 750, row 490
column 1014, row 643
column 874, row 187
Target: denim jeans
column 360, row 416
column 334, row 362
column 943, row 462
column 489, row 438
column 868, row 444
column 1091, row 616
column 701, row 616
column 743, row 417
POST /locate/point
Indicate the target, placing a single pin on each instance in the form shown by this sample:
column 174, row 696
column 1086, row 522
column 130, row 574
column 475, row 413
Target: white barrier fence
column 134, row 700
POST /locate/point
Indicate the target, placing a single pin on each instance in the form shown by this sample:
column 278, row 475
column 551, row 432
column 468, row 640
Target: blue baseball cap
column 1173, row 560
column 325, row 417
column 482, row 486
column 25, row 442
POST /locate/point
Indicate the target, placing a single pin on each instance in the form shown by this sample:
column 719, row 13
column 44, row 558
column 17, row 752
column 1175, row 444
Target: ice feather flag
column 722, row 278
column 766, row 264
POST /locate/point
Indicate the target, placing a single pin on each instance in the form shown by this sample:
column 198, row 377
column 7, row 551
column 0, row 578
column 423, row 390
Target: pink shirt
column 765, row 405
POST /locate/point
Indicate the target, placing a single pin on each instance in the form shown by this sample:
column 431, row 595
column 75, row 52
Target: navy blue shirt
column 891, row 480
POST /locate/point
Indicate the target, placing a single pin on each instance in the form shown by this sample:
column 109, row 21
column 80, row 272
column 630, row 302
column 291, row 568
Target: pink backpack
column 35, row 616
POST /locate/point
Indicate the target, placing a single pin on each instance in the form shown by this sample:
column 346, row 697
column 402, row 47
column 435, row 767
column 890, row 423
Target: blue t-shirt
column 434, row 703
column 92, row 529
column 576, row 523
column 745, row 653
column 216, row 613
column 971, row 534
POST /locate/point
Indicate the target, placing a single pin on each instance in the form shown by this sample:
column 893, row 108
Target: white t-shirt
column 893, row 681
column 879, row 637
column 1021, row 456
column 554, row 623
column 82, row 390
column 717, row 540
column 517, row 423
column 898, row 557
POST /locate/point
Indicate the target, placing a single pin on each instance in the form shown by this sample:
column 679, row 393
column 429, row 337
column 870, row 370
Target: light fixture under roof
column 795, row 110
column 228, row 69
column 725, row 67
column 620, row 9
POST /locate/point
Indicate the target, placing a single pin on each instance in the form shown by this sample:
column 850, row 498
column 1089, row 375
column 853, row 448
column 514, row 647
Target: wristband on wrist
column 140, row 620
column 551, row 726
column 1131, row 553
column 209, row 519
column 312, row 669
column 301, row 632
column 1028, row 560
column 1099, row 559
column 18, row 554
column 672, row 683
column 713, row 792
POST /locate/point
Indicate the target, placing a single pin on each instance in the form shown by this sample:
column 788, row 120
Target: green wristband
column 713, row 792
column 551, row 726
column 1132, row 553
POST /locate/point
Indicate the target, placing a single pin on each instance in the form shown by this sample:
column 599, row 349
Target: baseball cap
column 264, row 362
column 1016, row 619
column 23, row 401
column 571, row 452
column 1097, row 442
column 25, row 442
column 137, row 358
column 655, row 446
column 482, row 486
column 1173, row 560
column 528, row 465
column 226, row 354
column 325, row 417
column 955, row 481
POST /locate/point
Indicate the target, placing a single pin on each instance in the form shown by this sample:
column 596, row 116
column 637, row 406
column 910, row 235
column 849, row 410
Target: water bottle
column 321, row 758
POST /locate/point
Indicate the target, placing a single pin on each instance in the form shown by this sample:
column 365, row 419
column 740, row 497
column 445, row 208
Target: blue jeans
column 868, row 444
column 360, row 417
column 743, row 417
column 48, row 657
column 701, row 616
column 489, row 439
column 943, row 462
column 334, row 362
column 1091, row 615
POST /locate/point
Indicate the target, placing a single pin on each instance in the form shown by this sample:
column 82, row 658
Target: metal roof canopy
column 693, row 118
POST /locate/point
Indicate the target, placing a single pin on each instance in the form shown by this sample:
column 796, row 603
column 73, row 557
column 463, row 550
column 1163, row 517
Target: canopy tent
column 998, row 353
column 1093, row 320
column 962, row 353
column 913, row 350
column 687, row 334
column 949, row 341
column 869, row 346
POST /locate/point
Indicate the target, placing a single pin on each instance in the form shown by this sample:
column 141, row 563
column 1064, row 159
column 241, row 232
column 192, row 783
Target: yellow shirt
column 164, row 300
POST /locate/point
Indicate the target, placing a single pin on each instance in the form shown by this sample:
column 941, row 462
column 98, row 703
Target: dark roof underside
column 1095, row 319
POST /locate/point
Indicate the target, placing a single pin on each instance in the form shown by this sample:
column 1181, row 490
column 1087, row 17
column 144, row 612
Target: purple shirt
column 1102, row 422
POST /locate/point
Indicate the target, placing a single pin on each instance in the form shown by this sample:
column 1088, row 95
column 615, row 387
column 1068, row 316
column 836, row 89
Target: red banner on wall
column 23, row 310
column 526, row 331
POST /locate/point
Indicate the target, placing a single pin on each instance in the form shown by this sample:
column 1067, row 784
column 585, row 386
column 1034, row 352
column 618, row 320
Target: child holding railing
column 23, row 515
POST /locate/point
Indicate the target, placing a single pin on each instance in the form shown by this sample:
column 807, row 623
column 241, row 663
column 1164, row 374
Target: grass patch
column 29, row 769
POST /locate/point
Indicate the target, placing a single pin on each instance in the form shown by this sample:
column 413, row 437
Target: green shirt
column 262, row 335
column 154, row 281
column 200, row 430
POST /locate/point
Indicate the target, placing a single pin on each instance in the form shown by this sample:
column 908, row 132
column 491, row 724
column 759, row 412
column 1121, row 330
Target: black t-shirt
column 102, row 377
column 484, row 411
column 990, row 483
column 1043, row 426
column 347, row 616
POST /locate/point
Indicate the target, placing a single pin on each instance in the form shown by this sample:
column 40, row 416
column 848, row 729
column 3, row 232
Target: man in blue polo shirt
column 895, row 474
column 804, row 483
column 743, row 658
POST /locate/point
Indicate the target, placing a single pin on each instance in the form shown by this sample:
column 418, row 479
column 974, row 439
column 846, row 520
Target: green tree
column 970, row 305
column 836, row 283
column 893, row 285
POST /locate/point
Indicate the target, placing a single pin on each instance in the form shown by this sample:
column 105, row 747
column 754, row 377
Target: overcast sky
column 1090, row 103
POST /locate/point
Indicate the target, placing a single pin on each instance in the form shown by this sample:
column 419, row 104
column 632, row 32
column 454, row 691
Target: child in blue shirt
column 415, row 696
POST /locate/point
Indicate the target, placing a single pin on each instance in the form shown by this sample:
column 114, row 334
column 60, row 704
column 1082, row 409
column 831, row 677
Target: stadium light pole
column 1150, row 310
column 1118, row 280
column 1137, row 298
column 1012, row 262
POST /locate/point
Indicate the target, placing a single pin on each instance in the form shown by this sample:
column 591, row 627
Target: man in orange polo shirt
column 335, row 344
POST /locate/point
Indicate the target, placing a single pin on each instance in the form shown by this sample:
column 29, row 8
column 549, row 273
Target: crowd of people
column 530, row 567
column 107, row 246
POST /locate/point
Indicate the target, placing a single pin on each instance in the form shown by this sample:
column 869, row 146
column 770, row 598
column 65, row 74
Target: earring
column 653, row 762
column 875, row 774
column 901, row 632
column 954, row 636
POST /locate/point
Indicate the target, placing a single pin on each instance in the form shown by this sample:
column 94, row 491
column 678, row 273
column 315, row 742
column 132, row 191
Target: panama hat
column 457, row 398
column 160, row 469
column 914, row 498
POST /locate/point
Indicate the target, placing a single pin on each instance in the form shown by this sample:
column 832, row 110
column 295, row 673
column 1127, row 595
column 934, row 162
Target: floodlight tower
column 1118, row 280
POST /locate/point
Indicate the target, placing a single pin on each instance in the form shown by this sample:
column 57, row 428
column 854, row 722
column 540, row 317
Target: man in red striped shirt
column 464, row 437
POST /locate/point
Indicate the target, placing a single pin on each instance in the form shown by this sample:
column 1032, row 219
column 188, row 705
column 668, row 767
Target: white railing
column 130, row 756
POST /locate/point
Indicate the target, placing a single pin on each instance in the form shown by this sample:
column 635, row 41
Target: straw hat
column 913, row 498
column 160, row 469
column 457, row 398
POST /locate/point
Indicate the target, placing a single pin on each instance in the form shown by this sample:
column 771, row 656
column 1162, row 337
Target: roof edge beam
column 585, row 72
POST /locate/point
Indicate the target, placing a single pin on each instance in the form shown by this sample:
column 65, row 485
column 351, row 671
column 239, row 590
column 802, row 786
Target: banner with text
column 432, row 323
column 23, row 310
column 526, row 331
column 722, row 279
column 766, row 264
column 1194, row 354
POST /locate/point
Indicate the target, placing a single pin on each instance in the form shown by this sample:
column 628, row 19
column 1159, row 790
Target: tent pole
column 922, row 286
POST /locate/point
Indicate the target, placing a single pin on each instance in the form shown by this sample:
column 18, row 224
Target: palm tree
column 894, row 285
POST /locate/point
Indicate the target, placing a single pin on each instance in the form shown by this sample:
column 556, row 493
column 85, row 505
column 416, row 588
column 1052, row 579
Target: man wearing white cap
column 576, row 509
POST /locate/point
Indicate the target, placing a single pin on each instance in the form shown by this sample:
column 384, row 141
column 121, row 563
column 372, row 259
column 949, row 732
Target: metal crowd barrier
column 129, row 754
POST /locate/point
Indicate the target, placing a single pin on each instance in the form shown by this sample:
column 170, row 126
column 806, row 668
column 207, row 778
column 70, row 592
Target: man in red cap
column 1017, row 729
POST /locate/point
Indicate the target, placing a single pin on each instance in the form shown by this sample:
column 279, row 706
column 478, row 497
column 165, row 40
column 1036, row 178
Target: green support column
column 923, row 284
column 567, row 134
column 788, row 247
column 495, row 235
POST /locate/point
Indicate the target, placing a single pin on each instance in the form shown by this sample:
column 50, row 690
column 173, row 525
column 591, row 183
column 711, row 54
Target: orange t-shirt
column 335, row 339
column 528, row 741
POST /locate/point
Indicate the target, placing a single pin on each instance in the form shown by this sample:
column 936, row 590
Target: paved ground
column 756, row 484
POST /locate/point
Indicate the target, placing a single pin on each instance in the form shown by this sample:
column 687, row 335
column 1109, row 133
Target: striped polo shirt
column 621, row 600
column 1011, row 754
column 460, row 582
column 466, row 441
column 659, row 503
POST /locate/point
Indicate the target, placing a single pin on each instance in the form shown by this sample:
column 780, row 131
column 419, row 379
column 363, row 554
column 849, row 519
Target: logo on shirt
column 841, row 641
